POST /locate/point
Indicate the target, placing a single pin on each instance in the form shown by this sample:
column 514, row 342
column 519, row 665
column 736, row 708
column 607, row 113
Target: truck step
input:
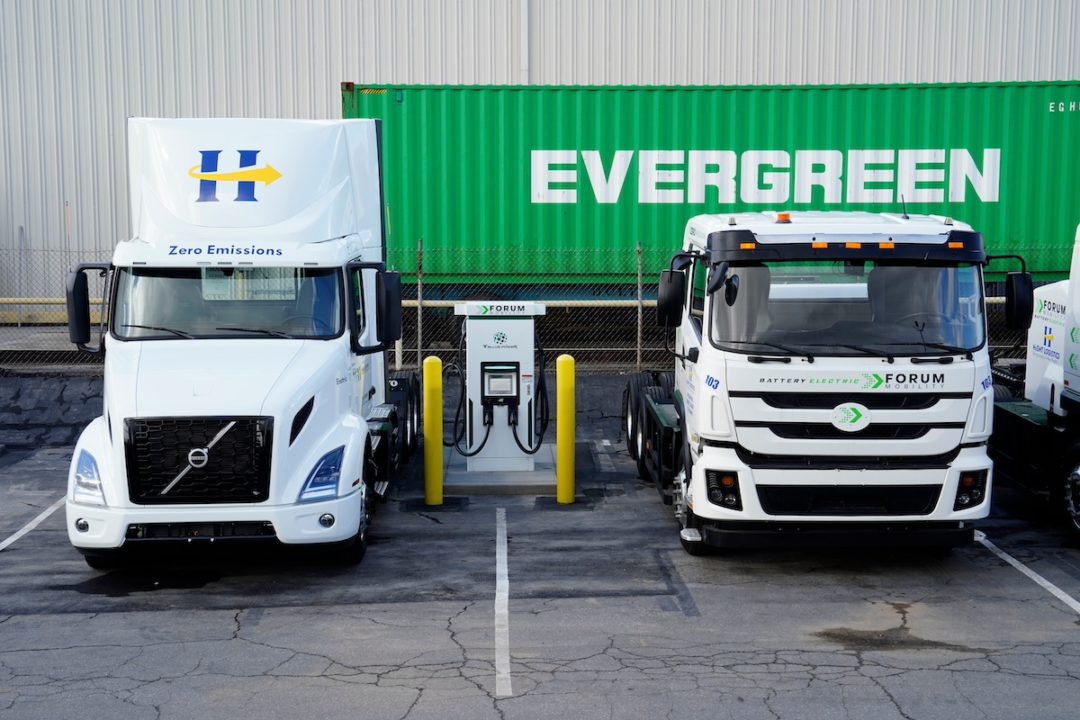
column 381, row 486
column 690, row 535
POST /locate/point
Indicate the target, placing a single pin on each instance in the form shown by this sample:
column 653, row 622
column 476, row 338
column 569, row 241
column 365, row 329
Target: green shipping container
column 561, row 184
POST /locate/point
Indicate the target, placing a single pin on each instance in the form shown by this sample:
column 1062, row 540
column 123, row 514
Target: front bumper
column 291, row 524
column 825, row 534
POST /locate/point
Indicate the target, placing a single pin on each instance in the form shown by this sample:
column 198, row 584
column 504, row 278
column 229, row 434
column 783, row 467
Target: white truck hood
column 209, row 377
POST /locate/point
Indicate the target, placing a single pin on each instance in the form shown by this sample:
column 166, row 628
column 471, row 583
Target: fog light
column 971, row 490
column 326, row 520
column 81, row 525
column 723, row 489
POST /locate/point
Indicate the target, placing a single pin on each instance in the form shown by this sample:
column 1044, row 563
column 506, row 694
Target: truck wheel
column 407, row 429
column 666, row 380
column 630, row 403
column 639, row 450
column 351, row 552
column 1072, row 503
column 414, row 412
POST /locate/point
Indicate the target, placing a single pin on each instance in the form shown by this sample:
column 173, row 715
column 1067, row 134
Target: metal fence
column 605, row 319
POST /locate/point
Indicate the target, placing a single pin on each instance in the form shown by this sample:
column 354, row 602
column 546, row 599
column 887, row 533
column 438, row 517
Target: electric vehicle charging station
column 503, row 387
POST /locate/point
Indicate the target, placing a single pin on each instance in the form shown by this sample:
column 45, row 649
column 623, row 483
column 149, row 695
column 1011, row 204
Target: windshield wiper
column 263, row 331
column 177, row 333
column 861, row 348
column 939, row 346
column 778, row 346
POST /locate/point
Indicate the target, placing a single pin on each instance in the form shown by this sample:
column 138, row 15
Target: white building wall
column 73, row 70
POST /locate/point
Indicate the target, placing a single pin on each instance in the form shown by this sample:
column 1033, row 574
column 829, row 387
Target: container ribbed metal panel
column 462, row 163
column 72, row 71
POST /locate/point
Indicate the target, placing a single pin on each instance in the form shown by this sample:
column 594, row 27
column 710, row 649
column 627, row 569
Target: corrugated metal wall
column 72, row 70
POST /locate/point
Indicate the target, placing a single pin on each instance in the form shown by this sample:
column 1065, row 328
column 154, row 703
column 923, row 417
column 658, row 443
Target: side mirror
column 77, row 290
column 669, row 298
column 78, row 307
column 389, row 329
column 1019, row 300
column 717, row 276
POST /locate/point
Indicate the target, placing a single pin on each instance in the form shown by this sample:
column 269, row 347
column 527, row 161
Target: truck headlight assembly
column 87, row 482
column 971, row 490
column 322, row 482
column 723, row 489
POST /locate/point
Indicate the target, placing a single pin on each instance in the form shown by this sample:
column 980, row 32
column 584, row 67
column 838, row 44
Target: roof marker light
column 887, row 245
column 853, row 245
column 956, row 245
column 783, row 217
column 819, row 245
column 747, row 246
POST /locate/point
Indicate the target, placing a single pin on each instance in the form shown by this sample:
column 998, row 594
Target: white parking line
column 1050, row 587
column 602, row 457
column 32, row 524
column 502, row 610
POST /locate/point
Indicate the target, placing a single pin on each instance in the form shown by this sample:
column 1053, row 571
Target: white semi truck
column 246, row 390
column 831, row 379
column 1036, row 439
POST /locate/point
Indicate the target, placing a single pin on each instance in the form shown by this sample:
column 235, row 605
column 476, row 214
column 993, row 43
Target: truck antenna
column 904, row 206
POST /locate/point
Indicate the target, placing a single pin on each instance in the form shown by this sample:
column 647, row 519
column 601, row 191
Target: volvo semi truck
column 831, row 381
column 247, row 395
column 1036, row 439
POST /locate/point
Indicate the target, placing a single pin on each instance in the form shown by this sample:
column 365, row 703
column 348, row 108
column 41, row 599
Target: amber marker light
column 783, row 217
column 853, row 245
column 819, row 245
column 887, row 245
column 956, row 246
column 747, row 246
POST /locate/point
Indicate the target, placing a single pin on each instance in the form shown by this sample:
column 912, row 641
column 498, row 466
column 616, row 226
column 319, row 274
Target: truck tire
column 351, row 552
column 1071, row 496
column 407, row 429
column 666, row 380
column 105, row 560
column 656, row 393
column 687, row 465
column 415, row 412
column 630, row 407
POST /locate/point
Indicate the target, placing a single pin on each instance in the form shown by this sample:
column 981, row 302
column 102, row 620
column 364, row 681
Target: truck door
column 367, row 372
column 688, row 338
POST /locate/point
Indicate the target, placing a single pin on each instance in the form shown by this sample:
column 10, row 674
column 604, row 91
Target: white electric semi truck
column 831, row 380
column 1036, row 440
column 245, row 334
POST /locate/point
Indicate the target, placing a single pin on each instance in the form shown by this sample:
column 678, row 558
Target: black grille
column 873, row 401
column 237, row 468
column 827, row 431
column 764, row 461
column 847, row 500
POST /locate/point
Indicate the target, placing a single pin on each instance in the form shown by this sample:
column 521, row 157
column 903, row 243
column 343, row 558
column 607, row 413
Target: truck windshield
column 249, row 302
column 849, row 308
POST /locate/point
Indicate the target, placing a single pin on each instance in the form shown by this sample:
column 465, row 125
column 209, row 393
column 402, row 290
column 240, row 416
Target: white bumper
column 293, row 524
column 726, row 460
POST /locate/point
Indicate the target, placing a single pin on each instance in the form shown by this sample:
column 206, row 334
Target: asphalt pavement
column 606, row 616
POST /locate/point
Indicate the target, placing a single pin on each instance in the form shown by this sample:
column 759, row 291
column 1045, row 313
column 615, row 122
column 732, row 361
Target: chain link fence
column 604, row 317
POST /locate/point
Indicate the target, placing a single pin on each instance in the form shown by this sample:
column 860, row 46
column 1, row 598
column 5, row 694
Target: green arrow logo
column 1073, row 334
column 1042, row 304
column 855, row 415
column 1072, row 361
column 872, row 381
column 485, row 309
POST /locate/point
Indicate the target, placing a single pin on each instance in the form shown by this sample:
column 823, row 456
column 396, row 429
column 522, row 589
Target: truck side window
column 356, row 304
column 696, row 307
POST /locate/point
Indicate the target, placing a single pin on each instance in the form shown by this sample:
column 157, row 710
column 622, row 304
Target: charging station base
column 457, row 479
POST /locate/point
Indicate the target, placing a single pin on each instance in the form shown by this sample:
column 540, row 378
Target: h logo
column 1048, row 335
column 245, row 178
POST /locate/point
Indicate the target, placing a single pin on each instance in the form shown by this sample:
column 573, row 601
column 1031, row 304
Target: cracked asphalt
column 608, row 617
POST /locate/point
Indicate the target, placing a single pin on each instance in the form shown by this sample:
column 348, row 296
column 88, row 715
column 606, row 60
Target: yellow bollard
column 433, row 432
column 564, row 430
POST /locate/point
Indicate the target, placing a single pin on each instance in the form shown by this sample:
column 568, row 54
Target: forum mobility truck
column 1036, row 442
column 831, row 378
column 247, row 395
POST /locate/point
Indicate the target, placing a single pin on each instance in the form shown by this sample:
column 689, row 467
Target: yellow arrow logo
column 267, row 175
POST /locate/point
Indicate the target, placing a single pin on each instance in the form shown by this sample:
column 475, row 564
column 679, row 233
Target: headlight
column 87, row 481
column 322, row 482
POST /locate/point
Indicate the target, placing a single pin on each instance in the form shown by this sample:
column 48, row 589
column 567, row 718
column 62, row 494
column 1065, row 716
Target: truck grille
column 873, row 401
column 826, row 431
column 165, row 465
column 848, row 500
